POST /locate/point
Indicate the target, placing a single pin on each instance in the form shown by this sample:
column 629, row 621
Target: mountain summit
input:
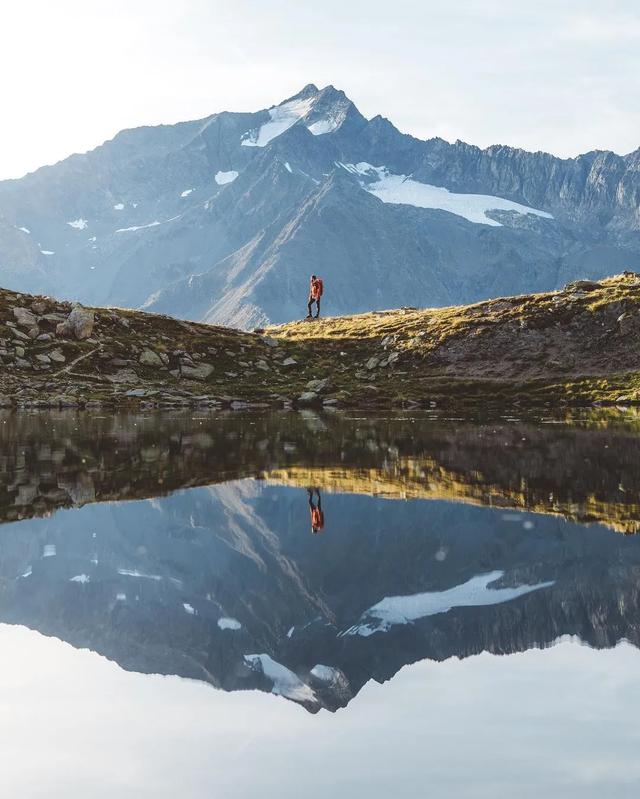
column 223, row 219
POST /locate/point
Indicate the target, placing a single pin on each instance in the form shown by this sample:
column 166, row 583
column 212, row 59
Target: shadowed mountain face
column 223, row 219
column 223, row 580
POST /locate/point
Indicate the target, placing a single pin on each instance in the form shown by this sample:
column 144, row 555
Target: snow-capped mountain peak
column 321, row 111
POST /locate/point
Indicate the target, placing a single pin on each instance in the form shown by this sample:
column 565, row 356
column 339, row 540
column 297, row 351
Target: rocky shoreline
column 576, row 346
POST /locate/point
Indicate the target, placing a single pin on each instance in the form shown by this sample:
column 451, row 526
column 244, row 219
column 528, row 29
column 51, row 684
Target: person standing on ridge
column 315, row 292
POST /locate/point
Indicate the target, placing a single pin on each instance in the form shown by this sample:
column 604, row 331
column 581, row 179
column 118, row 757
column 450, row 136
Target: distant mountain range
column 224, row 219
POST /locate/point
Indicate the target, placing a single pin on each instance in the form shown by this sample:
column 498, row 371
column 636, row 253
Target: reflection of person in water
column 317, row 516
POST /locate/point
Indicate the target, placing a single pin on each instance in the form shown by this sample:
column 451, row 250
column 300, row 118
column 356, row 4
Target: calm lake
column 199, row 605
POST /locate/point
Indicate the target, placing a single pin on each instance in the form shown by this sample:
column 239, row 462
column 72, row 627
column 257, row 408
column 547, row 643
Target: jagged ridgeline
column 579, row 345
column 586, row 469
column 223, row 219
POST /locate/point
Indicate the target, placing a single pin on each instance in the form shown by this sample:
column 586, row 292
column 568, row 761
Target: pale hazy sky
column 557, row 75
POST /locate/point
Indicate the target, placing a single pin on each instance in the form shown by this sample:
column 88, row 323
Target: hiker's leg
column 318, row 307
column 309, row 306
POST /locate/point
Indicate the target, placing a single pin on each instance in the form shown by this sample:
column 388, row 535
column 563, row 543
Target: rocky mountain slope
column 223, row 219
column 579, row 345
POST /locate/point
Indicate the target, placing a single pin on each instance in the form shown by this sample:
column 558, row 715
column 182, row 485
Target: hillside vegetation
column 580, row 345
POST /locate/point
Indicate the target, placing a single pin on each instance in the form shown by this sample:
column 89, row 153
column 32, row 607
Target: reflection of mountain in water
column 227, row 584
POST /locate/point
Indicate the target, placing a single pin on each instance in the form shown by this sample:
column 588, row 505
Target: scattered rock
column 24, row 317
column 200, row 372
column 79, row 324
column 318, row 385
column 308, row 396
column 582, row 285
column 150, row 358
column 57, row 356
column 289, row 362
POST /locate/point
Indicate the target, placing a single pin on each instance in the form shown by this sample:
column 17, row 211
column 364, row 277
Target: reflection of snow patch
column 80, row 578
column 229, row 624
column 28, row 572
column 290, row 633
column 49, row 551
column 405, row 609
column 47, row 252
column 186, row 192
column 121, row 597
column 222, row 178
column 402, row 190
column 135, row 573
column 189, row 608
column 324, row 673
column 118, row 206
column 287, row 166
column 78, row 224
column 285, row 682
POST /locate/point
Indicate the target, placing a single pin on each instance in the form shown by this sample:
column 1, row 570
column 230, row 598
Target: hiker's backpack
column 320, row 286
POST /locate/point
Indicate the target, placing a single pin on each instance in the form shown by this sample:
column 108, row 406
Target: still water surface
column 292, row 604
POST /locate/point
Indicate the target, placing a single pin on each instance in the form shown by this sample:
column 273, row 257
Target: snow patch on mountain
column 287, row 166
column 155, row 223
column 24, row 229
column 141, row 575
column 118, row 207
column 186, row 192
column 282, row 118
column 222, row 178
column 47, row 252
column 227, row 623
column 323, row 126
column 285, row 682
column 406, row 609
column 403, row 190
column 78, row 224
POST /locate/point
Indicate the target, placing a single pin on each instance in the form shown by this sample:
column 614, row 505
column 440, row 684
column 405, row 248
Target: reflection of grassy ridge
column 586, row 467
column 416, row 479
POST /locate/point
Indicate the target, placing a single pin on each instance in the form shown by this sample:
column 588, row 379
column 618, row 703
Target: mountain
column 223, row 219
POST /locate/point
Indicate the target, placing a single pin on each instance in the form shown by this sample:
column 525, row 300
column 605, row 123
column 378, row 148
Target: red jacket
column 316, row 288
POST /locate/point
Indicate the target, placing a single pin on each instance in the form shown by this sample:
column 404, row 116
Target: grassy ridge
column 579, row 345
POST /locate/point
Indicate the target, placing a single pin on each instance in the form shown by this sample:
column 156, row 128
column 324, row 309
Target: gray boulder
column 79, row 324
